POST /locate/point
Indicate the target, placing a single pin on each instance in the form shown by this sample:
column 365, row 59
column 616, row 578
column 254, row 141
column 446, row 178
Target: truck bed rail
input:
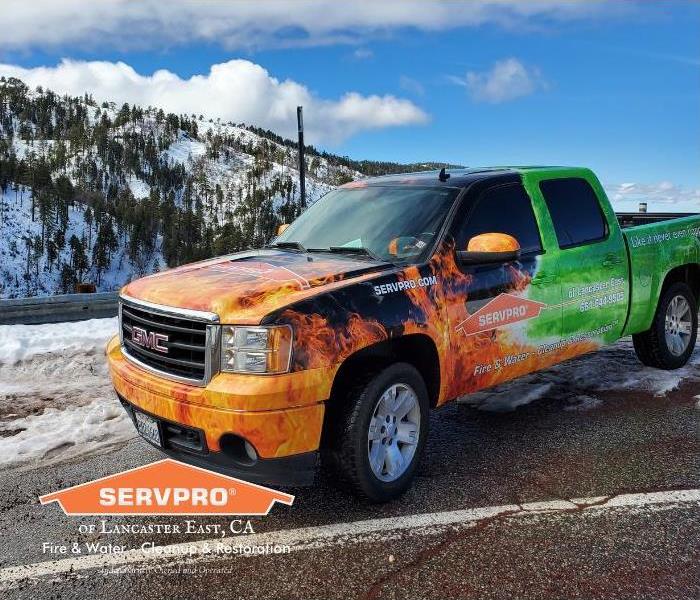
column 632, row 219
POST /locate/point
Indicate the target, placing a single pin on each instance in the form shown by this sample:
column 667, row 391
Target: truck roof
column 459, row 178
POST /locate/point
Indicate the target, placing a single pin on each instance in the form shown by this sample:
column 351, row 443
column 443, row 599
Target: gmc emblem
column 149, row 339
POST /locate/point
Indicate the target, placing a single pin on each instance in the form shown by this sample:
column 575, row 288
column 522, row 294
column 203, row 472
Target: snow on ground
column 65, row 433
column 23, row 342
column 185, row 149
column 578, row 383
column 23, row 148
column 140, row 189
column 56, row 400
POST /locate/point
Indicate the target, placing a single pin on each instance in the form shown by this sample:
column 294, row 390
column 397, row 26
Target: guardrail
column 56, row 309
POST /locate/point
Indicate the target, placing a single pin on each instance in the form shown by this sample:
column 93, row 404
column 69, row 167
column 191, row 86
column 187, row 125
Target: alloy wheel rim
column 678, row 326
column 394, row 430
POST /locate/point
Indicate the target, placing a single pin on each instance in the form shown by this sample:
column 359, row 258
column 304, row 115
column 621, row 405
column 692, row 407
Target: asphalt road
column 600, row 434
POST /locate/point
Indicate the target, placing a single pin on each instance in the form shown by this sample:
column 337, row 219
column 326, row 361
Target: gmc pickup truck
column 387, row 298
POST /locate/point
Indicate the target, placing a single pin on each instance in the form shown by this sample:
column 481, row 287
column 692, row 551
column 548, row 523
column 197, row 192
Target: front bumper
column 295, row 470
column 286, row 435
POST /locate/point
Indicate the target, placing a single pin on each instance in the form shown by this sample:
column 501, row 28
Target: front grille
column 184, row 338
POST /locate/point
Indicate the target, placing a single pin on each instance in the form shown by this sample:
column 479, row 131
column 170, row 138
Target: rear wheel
column 378, row 432
column 670, row 341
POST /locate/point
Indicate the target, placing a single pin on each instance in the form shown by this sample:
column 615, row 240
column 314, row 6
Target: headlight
column 256, row 349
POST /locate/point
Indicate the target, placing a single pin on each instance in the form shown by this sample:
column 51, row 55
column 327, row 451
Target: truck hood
column 244, row 287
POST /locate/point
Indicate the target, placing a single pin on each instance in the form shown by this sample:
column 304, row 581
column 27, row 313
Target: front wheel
column 671, row 339
column 378, row 432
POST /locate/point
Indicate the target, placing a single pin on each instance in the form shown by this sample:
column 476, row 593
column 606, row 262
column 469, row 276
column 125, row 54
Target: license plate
column 148, row 428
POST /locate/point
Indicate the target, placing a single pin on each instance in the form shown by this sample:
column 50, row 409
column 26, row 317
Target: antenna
column 302, row 162
column 443, row 176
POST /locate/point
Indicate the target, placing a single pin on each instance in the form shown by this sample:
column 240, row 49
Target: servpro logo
column 506, row 315
column 167, row 487
column 163, row 496
column 503, row 310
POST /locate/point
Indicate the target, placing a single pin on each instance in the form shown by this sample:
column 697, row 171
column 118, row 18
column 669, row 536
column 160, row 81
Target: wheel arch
column 688, row 274
column 416, row 349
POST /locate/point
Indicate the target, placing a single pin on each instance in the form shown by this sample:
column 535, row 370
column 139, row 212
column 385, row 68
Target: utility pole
column 302, row 162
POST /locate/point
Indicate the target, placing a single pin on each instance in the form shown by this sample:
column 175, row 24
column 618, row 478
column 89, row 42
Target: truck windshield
column 391, row 223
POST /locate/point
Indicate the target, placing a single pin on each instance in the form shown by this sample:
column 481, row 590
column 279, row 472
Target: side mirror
column 490, row 248
column 281, row 228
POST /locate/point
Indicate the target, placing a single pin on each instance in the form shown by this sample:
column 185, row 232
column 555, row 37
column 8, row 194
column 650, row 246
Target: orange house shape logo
column 504, row 309
column 167, row 487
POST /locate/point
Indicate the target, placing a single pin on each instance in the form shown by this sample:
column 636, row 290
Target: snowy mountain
column 92, row 192
column 24, row 271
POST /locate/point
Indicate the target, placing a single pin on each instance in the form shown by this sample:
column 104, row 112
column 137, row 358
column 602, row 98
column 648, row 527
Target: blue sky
column 611, row 85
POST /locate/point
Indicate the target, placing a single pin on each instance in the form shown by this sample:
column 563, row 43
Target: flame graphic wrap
column 434, row 300
column 243, row 288
column 288, row 429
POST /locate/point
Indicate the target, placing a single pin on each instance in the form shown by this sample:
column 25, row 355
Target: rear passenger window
column 575, row 211
column 503, row 209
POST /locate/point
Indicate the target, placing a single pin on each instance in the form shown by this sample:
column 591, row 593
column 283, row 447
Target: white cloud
column 411, row 85
column 507, row 80
column 125, row 24
column 238, row 90
column 660, row 197
column 362, row 53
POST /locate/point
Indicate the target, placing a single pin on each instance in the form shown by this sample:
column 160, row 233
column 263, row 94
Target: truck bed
column 657, row 243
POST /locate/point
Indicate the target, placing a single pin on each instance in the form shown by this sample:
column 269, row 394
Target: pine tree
column 79, row 260
column 87, row 217
column 68, row 279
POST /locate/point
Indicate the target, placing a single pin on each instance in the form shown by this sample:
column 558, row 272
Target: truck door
column 500, row 313
column 592, row 265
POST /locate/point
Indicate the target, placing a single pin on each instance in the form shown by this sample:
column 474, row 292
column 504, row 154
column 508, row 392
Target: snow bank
column 65, row 433
column 56, row 398
column 22, row 342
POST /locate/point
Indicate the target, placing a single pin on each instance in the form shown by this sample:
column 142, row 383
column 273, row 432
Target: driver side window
column 502, row 209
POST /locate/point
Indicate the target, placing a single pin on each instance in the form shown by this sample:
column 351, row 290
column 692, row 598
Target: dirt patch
column 10, row 432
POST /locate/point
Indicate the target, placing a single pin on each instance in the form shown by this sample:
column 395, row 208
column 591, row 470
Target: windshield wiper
column 349, row 250
column 288, row 246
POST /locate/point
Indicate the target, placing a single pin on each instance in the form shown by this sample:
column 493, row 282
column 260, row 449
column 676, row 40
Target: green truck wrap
column 385, row 299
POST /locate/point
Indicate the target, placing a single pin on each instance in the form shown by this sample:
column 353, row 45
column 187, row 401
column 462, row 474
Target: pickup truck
column 387, row 298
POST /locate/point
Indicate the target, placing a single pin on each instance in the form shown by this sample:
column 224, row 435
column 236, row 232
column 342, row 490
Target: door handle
column 543, row 279
column 611, row 260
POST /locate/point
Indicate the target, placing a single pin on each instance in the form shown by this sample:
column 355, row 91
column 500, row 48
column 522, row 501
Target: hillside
column 93, row 192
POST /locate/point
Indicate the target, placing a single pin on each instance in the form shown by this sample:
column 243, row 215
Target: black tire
column 651, row 346
column 345, row 453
